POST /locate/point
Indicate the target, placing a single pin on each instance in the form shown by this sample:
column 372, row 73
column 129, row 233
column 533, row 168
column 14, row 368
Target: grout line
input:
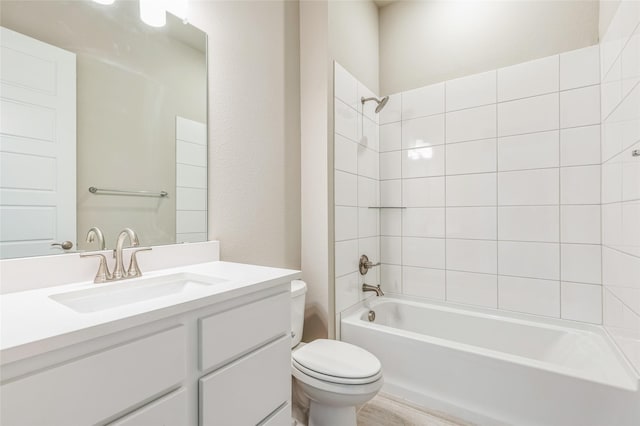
column 446, row 296
column 497, row 203
column 560, row 199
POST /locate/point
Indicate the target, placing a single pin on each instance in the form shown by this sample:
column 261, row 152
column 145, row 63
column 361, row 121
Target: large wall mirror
column 103, row 124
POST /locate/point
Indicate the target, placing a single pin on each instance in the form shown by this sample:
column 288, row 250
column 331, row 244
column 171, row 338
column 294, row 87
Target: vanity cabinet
column 224, row 364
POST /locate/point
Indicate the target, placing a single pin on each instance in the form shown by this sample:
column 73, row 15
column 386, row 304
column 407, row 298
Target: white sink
column 126, row 292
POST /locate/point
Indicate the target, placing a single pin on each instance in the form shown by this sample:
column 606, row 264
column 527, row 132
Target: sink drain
column 371, row 316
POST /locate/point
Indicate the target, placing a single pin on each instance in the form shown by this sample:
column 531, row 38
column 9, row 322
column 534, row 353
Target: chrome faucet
column 118, row 270
column 119, row 273
column 94, row 233
column 374, row 288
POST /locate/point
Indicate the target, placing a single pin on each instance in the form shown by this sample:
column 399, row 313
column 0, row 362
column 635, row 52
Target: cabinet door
column 89, row 390
column 170, row 410
column 228, row 334
column 246, row 391
column 282, row 417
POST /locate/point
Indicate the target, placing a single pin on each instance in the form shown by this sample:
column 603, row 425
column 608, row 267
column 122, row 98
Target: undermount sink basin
column 126, row 292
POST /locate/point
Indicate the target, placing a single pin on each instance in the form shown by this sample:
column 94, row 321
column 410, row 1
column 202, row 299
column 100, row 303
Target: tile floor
column 384, row 411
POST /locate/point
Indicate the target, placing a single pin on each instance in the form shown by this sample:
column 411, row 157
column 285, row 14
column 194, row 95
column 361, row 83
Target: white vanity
column 202, row 344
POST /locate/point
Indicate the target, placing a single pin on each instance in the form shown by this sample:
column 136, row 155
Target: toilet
column 334, row 376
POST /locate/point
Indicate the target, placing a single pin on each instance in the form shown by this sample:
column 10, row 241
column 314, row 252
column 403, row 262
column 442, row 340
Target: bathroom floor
column 384, row 411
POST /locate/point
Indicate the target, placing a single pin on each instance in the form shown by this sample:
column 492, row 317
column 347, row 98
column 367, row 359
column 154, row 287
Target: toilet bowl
column 335, row 376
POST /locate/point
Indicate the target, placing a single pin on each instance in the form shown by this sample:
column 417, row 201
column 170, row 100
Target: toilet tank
column 298, row 291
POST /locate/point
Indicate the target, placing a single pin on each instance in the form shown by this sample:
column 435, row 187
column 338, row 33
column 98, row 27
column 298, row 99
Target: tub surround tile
column 472, row 91
column 529, row 187
column 478, row 223
column 531, row 78
column 472, row 256
column 424, row 282
column 581, row 302
column 423, row 132
column 531, row 296
column 537, row 114
column 580, row 107
column 471, row 124
column 580, row 224
column 472, row 289
column 529, row 260
column 579, row 68
column 347, row 291
column 580, row 185
column 346, row 257
column 530, row 151
column 499, row 174
column 471, row 157
column 345, row 86
column 471, row 190
column 580, row 146
column 390, row 136
column 537, row 223
column 345, row 120
column 423, row 162
column 424, row 101
column 392, row 112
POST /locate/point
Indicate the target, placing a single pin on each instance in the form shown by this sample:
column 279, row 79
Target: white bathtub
column 489, row 367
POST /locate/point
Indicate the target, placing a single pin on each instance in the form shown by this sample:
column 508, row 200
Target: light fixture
column 104, row 1
column 179, row 8
column 153, row 12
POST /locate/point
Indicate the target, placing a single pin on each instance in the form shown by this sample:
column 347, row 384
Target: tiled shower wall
column 500, row 179
column 490, row 188
column 620, row 52
column 357, row 187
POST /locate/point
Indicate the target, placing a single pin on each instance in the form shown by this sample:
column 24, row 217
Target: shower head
column 381, row 102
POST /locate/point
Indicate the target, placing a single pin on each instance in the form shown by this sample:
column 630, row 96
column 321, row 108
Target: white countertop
column 32, row 323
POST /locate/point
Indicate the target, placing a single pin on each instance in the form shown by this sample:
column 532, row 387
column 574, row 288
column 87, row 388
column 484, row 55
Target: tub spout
column 374, row 288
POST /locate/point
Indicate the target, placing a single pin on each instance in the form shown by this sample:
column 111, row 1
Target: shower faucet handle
column 365, row 264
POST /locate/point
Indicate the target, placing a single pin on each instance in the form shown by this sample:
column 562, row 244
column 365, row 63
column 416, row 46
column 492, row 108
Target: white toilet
column 335, row 376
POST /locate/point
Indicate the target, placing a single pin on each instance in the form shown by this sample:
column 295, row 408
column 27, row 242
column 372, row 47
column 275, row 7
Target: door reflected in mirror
column 92, row 97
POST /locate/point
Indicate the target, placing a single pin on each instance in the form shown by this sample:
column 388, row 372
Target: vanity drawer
column 229, row 334
column 282, row 417
column 88, row 390
column 170, row 410
column 246, row 391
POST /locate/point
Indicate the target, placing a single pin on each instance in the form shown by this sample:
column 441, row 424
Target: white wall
column 424, row 42
column 254, row 136
column 620, row 53
column 353, row 39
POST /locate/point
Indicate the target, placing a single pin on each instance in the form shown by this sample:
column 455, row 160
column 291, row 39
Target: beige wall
column 424, row 42
column 315, row 125
column 353, row 39
column 347, row 32
column 254, row 135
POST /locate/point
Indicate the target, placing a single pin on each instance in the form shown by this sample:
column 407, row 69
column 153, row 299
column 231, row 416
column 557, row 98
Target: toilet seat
column 337, row 362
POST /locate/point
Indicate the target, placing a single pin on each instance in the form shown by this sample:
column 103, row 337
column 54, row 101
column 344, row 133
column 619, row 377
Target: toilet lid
column 337, row 360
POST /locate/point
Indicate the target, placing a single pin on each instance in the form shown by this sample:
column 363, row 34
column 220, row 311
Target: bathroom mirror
column 103, row 124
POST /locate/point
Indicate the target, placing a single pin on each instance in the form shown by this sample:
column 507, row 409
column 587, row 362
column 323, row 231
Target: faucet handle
column 134, row 269
column 365, row 264
column 103, row 273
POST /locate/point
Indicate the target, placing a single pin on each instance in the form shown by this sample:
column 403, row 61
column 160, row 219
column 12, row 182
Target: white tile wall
column 499, row 177
column 620, row 93
column 357, row 185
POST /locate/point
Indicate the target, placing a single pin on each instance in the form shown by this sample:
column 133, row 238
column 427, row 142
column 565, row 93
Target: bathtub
column 495, row 368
